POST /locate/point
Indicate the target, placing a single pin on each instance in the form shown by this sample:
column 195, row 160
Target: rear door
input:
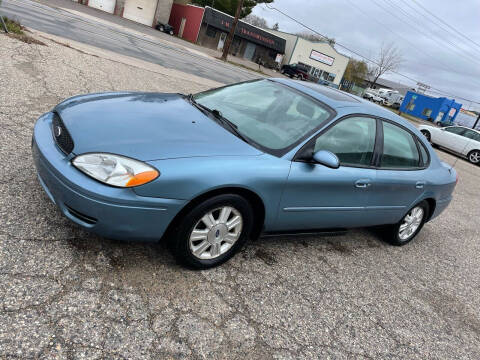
column 473, row 142
column 452, row 138
column 401, row 173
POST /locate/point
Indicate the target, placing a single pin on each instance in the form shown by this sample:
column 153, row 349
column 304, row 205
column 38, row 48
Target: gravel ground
column 66, row 294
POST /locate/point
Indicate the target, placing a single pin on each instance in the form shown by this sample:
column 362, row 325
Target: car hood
column 146, row 126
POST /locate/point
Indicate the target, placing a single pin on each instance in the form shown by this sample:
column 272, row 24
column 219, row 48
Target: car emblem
column 57, row 131
column 217, row 234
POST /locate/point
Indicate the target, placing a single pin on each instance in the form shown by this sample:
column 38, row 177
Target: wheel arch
column 432, row 203
column 252, row 197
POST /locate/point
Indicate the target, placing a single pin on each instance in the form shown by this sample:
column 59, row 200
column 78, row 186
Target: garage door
column 141, row 11
column 105, row 5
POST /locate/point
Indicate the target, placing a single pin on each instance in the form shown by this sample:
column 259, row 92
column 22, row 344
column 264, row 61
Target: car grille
column 61, row 135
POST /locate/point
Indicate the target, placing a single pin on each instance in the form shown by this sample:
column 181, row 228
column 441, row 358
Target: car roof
column 341, row 101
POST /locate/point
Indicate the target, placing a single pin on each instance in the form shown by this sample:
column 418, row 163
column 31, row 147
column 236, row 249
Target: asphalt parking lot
column 66, row 294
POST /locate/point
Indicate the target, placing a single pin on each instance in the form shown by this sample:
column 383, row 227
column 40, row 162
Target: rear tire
column 408, row 228
column 199, row 245
column 474, row 157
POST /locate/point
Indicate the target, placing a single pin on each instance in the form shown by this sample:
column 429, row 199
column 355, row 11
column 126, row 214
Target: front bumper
column 116, row 213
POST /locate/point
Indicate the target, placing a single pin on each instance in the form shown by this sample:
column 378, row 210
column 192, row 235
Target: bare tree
column 256, row 21
column 389, row 59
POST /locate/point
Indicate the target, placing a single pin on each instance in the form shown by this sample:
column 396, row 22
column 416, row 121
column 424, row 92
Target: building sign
column 246, row 31
column 318, row 56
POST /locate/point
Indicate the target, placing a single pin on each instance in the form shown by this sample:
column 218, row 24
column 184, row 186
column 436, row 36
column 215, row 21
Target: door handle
column 420, row 184
column 363, row 183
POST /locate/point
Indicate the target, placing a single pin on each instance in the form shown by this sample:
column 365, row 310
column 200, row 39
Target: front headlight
column 115, row 170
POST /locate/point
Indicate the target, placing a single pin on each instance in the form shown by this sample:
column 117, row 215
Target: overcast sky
column 433, row 53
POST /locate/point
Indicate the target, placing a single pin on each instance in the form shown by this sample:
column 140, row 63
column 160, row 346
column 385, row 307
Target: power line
column 440, row 91
column 400, row 36
column 416, row 12
column 453, row 46
column 447, row 24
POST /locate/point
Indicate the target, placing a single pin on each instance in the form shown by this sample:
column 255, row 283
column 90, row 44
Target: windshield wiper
column 219, row 117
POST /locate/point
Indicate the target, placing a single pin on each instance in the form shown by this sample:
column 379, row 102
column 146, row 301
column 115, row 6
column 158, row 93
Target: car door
column 401, row 176
column 318, row 197
column 473, row 142
column 452, row 138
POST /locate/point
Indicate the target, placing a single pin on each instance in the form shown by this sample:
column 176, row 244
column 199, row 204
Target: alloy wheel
column 474, row 157
column 410, row 223
column 216, row 232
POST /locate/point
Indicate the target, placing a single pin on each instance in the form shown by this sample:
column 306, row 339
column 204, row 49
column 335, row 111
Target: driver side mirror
column 326, row 158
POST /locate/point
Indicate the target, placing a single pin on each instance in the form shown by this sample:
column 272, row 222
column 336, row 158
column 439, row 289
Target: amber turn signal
column 142, row 178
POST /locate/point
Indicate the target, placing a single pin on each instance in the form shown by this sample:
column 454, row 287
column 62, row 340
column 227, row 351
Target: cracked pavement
column 67, row 294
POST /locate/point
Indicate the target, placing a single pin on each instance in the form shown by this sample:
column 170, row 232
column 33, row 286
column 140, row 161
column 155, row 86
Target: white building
column 321, row 58
column 147, row 12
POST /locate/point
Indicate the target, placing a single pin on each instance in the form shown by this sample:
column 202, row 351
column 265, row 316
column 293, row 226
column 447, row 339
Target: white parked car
column 372, row 96
column 458, row 139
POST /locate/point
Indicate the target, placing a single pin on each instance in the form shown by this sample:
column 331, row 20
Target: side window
column 423, row 153
column 456, row 130
column 399, row 148
column 472, row 135
column 352, row 140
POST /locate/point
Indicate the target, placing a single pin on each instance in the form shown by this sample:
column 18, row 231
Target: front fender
column 188, row 178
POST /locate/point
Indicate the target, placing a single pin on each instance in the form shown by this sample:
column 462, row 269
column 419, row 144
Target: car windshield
column 273, row 116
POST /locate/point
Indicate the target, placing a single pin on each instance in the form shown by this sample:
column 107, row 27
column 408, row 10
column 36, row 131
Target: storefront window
column 427, row 112
column 331, row 77
column 211, row 32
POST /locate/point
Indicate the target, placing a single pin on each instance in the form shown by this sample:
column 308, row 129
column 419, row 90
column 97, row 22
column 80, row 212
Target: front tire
column 406, row 229
column 427, row 135
column 474, row 157
column 161, row 28
column 213, row 231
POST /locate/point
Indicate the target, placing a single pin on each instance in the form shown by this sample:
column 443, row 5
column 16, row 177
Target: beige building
column 323, row 61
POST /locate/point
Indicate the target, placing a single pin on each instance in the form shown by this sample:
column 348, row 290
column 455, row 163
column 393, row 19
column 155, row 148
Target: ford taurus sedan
column 207, row 172
column 457, row 139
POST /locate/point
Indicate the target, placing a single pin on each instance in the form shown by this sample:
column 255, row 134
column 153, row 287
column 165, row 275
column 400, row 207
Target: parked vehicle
column 327, row 83
column 166, row 28
column 373, row 96
column 295, row 71
column 393, row 99
column 458, row 139
column 207, row 172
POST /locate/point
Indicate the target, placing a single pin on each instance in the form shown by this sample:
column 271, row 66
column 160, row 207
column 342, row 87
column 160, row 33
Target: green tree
column 355, row 72
column 230, row 6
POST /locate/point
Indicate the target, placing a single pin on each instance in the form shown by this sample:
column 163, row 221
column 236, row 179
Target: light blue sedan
column 209, row 171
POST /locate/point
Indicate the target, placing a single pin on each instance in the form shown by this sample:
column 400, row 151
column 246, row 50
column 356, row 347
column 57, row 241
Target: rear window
column 399, row 148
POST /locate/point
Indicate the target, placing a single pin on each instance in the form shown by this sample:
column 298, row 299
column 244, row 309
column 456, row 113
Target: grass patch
column 17, row 31
column 13, row 26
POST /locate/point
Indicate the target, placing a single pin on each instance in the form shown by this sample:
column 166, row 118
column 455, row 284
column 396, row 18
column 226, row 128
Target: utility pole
column 228, row 42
